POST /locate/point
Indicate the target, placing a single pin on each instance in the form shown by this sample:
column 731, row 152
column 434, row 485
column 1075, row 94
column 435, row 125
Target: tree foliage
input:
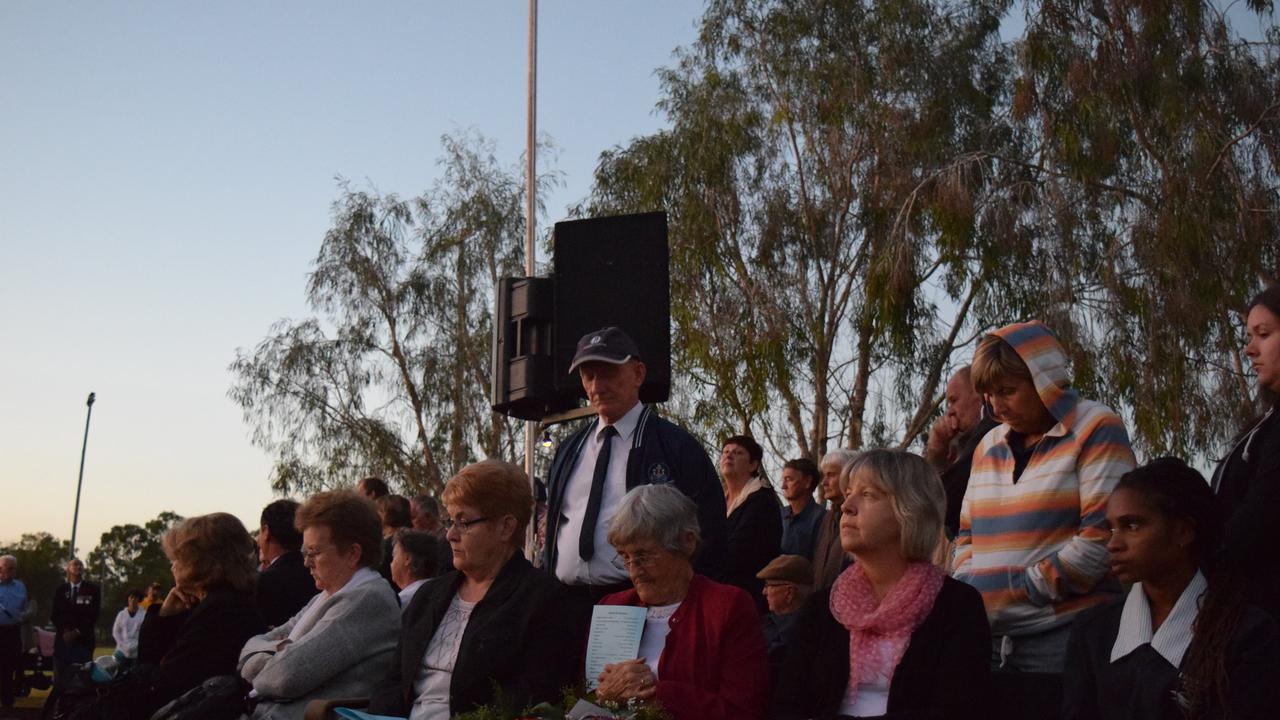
column 391, row 375
column 826, row 172
column 858, row 190
column 129, row 557
column 1152, row 131
column 41, row 560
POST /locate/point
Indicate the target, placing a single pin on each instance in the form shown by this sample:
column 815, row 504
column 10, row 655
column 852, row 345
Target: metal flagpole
column 75, row 519
column 530, row 231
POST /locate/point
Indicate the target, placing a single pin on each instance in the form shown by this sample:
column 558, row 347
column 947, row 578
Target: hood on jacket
column 1035, row 343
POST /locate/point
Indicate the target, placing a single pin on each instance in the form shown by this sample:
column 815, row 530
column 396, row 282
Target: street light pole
column 75, row 519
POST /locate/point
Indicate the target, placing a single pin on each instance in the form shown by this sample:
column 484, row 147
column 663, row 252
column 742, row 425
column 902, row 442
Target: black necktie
column 587, row 540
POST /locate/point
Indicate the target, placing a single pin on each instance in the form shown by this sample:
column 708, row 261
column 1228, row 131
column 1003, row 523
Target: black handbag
column 219, row 698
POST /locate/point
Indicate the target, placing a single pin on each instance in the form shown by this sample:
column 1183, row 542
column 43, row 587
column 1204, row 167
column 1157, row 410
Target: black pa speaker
column 523, row 385
column 613, row 271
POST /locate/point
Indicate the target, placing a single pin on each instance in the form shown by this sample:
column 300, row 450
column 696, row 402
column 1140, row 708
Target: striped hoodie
column 1036, row 549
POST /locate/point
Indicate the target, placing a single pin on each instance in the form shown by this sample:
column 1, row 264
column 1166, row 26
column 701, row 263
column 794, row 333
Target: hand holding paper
column 615, row 638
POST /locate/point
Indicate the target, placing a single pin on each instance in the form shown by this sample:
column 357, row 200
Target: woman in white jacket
column 125, row 629
column 344, row 639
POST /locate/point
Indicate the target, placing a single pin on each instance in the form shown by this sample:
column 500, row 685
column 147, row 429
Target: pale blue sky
column 166, row 170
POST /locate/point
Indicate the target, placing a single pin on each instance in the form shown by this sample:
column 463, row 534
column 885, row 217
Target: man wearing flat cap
column 788, row 580
column 627, row 445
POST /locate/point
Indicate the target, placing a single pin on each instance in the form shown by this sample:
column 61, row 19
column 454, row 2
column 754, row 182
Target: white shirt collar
column 752, row 485
column 1174, row 636
column 408, row 591
column 626, row 427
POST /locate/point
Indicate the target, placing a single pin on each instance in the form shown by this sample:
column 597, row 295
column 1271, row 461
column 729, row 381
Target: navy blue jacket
column 661, row 452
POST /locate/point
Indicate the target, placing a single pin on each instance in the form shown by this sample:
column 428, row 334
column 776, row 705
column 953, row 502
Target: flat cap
column 788, row 568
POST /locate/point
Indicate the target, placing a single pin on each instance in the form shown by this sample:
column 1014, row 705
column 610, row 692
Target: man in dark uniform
column 627, row 446
column 285, row 584
column 76, row 603
column 952, row 440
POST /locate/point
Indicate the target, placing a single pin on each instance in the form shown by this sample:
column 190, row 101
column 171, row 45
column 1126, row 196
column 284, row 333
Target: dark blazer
column 1250, row 494
column 521, row 637
column 944, row 672
column 829, row 557
column 193, row 646
column 754, row 538
column 1139, row 686
column 955, row 479
column 661, row 452
column 283, row 588
column 78, row 614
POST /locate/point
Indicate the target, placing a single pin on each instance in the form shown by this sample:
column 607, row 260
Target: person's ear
column 1184, row 533
column 507, row 527
column 689, row 542
column 353, row 554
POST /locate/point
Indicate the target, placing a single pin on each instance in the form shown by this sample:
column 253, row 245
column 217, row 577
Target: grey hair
column 843, row 457
column 655, row 512
column 839, row 456
column 9, row 560
column 919, row 502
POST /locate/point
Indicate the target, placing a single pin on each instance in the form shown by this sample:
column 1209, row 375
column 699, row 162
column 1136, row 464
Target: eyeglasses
column 310, row 555
column 462, row 525
column 643, row 559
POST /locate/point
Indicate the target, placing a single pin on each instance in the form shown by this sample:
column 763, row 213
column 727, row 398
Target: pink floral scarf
column 879, row 630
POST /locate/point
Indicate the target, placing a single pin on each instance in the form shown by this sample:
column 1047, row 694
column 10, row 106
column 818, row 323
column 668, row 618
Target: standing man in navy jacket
column 76, row 604
column 627, row 446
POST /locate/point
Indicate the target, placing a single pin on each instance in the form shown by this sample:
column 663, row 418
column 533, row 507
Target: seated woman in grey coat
column 344, row 639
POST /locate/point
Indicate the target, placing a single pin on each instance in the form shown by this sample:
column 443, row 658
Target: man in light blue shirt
column 13, row 603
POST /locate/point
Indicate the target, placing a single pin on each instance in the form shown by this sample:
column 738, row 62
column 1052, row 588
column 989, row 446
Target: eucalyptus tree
column 859, row 189
column 827, row 172
column 1151, row 132
column 391, row 375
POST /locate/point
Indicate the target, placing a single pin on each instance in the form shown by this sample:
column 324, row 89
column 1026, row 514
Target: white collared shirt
column 407, row 593
column 604, row 567
column 1174, row 636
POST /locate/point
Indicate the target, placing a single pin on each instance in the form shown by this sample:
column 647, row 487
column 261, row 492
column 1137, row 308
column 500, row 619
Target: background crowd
column 1025, row 566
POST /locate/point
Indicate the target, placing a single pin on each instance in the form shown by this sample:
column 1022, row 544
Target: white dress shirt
column 605, row 567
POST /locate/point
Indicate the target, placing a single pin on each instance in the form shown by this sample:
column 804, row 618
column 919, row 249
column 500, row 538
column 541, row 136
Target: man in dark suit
column 285, row 584
column 952, row 440
column 76, row 603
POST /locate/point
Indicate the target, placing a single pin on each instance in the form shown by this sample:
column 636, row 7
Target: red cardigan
column 714, row 665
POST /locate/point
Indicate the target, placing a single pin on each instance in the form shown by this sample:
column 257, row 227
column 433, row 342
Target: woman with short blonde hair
column 893, row 636
column 198, row 630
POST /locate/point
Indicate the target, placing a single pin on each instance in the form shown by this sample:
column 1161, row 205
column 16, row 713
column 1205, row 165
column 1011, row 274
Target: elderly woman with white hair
column 893, row 637
column 702, row 652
